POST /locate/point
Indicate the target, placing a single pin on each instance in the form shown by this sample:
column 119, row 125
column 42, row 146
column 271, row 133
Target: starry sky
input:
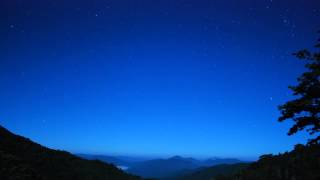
column 196, row 78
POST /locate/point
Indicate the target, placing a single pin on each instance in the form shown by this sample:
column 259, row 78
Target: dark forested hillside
column 303, row 163
column 22, row 159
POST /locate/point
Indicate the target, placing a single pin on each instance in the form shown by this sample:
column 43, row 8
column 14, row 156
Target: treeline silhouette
column 22, row 159
column 304, row 111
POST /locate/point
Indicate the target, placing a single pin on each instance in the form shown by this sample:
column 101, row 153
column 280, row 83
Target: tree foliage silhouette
column 305, row 110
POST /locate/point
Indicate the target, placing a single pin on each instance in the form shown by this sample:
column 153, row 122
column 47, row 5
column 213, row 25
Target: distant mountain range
column 174, row 166
column 213, row 172
column 161, row 168
column 22, row 159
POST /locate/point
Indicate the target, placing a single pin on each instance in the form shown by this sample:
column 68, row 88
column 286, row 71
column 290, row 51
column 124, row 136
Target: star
column 285, row 21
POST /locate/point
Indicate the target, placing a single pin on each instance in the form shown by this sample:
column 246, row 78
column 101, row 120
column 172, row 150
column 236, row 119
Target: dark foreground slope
column 303, row 163
column 22, row 159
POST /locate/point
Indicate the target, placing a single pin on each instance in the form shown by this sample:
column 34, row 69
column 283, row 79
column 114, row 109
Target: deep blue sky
column 153, row 77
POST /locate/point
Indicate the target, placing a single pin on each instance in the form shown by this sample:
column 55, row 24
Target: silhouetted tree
column 305, row 110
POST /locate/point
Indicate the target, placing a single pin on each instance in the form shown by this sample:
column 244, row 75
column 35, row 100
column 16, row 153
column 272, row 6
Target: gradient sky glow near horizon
column 153, row 78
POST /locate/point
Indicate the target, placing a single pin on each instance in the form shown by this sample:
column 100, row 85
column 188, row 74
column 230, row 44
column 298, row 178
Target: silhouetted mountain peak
column 176, row 157
column 180, row 158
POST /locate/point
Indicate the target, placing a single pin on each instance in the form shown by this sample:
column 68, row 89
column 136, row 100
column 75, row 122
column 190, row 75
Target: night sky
column 153, row 77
